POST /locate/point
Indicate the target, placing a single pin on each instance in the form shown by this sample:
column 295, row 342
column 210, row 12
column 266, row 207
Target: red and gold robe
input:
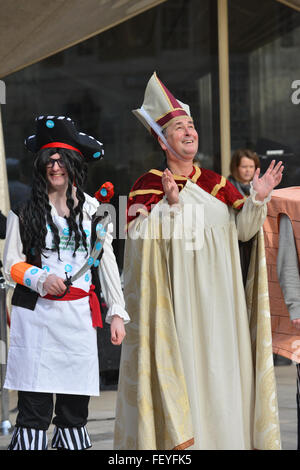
column 148, row 190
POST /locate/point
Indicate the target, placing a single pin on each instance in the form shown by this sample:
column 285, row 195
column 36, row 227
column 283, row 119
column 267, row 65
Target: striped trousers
column 35, row 415
column 63, row 439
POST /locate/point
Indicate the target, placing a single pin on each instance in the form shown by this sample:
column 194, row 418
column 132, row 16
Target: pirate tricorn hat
column 60, row 132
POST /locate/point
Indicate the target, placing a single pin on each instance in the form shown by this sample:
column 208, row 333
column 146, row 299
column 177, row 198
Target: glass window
column 264, row 68
column 100, row 81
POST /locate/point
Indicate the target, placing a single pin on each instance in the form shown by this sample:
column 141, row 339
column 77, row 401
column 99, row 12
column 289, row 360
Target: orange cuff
column 18, row 270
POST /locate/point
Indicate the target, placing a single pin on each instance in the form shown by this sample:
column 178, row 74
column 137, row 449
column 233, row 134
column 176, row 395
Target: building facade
column 99, row 81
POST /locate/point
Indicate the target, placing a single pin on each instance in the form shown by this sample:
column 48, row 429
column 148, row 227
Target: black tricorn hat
column 60, row 132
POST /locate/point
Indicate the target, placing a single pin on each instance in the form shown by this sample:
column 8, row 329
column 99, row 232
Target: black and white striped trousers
column 28, row 439
column 71, row 438
column 35, row 415
column 63, row 438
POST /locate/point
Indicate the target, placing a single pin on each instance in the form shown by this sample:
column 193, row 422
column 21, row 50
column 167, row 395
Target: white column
column 4, row 194
column 224, row 89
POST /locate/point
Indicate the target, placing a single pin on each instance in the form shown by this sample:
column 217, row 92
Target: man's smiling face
column 183, row 137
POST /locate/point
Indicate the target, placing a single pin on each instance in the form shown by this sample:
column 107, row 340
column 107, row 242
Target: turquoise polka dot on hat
column 34, row 270
column 50, row 123
column 28, row 282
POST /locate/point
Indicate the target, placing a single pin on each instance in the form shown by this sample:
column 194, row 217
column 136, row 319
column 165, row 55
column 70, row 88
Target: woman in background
column 243, row 164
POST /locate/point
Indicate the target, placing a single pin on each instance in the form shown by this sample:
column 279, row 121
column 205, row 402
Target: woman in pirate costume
column 53, row 342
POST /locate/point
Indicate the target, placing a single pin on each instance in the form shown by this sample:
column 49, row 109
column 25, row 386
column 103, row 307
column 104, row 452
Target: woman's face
column 246, row 170
column 57, row 174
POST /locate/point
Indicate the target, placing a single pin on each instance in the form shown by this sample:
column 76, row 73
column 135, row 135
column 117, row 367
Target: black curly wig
column 36, row 213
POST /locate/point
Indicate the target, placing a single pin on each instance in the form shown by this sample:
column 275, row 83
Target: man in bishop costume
column 196, row 367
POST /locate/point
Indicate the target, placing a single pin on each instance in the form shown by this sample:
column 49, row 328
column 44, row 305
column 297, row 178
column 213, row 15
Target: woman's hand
column 117, row 330
column 170, row 187
column 54, row 285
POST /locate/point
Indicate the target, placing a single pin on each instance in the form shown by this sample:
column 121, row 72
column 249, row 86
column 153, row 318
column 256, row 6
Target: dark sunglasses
column 51, row 162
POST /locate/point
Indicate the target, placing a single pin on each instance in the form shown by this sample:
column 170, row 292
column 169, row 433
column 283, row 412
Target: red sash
column 75, row 293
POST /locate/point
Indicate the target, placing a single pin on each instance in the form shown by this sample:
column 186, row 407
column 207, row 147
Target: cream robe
column 188, row 369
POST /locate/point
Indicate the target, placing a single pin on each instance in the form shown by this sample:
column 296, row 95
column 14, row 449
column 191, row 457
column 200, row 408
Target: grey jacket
column 288, row 267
